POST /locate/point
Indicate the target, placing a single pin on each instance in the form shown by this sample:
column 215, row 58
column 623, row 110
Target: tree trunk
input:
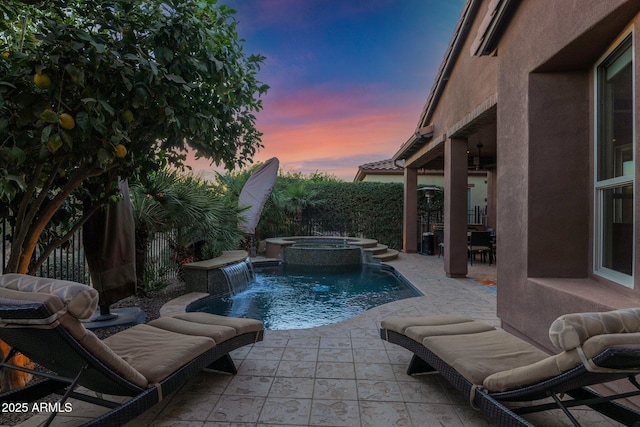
column 22, row 248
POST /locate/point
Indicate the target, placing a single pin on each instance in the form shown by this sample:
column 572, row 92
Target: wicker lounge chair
column 40, row 318
column 496, row 369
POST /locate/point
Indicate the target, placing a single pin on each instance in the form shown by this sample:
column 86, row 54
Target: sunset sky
column 348, row 78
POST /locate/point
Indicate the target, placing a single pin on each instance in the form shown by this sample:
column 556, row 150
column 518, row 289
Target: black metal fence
column 321, row 221
column 68, row 262
column 477, row 215
column 324, row 222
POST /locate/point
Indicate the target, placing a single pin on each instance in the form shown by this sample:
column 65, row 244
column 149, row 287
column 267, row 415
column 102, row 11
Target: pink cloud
column 329, row 132
column 337, row 146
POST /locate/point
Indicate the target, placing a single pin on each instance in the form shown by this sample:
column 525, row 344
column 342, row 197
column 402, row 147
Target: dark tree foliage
column 93, row 91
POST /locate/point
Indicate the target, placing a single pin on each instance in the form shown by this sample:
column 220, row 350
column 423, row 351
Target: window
column 614, row 166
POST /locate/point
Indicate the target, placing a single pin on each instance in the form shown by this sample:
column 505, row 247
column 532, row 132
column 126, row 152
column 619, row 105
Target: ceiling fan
column 477, row 161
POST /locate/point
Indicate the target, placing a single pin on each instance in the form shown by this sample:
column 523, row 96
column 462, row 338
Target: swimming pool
column 287, row 297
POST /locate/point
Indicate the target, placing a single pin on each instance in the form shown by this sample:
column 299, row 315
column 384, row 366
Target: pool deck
column 341, row 374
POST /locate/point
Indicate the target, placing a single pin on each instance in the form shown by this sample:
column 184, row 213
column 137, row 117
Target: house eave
column 492, row 27
column 421, row 137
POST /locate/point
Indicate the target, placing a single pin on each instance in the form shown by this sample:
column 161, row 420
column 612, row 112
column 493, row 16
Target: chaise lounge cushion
column 164, row 351
column 80, row 300
column 557, row 364
column 418, row 328
column 240, row 325
column 572, row 330
column 476, row 356
column 101, row 351
column 216, row 332
column 400, row 324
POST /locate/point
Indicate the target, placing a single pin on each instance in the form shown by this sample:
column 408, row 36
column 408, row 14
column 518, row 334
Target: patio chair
column 40, row 318
column 480, row 243
column 495, row 369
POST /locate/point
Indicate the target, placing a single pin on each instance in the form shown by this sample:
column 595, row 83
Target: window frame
column 601, row 186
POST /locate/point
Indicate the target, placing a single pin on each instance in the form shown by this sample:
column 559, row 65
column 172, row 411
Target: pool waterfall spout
column 238, row 276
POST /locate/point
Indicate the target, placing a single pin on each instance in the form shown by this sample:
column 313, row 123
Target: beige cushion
column 400, row 324
column 241, row 325
column 156, row 353
column 476, row 356
column 101, row 351
column 80, row 300
column 595, row 345
column 419, row 333
column 555, row 365
column 216, row 332
column 533, row 373
column 571, row 330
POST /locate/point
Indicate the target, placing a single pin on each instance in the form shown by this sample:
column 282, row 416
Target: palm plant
column 296, row 197
column 199, row 221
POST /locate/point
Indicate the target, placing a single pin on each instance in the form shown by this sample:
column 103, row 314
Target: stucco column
column 491, row 199
column 455, row 207
column 410, row 213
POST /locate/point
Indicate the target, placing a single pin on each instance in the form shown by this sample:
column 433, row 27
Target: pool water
column 286, row 297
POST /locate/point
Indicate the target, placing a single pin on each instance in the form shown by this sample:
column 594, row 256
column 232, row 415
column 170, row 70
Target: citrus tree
column 94, row 91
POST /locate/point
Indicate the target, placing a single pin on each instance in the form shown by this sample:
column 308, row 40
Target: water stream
column 238, row 276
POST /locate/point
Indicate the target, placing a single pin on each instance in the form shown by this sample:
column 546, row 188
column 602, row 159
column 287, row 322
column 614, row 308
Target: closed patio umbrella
column 109, row 243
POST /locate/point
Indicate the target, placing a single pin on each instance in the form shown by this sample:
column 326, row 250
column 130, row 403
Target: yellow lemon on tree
column 121, row 151
column 42, row 81
column 66, row 121
column 5, row 54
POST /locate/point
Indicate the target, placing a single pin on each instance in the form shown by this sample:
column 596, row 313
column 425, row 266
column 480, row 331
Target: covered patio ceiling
column 424, row 150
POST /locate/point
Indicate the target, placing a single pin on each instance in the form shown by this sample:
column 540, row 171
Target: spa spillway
column 319, row 251
column 324, row 253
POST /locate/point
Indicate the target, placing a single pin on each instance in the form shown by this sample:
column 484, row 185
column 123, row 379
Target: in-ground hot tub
column 319, row 250
column 325, row 252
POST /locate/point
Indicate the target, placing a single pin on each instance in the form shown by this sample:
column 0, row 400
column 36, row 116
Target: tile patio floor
column 341, row 374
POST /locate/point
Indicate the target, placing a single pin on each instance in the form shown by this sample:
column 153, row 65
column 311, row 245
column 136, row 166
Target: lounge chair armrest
column 572, row 330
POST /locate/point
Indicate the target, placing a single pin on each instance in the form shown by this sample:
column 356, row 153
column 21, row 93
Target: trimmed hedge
column 359, row 209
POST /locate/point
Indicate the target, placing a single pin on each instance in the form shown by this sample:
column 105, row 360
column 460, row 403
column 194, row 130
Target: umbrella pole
column 105, row 314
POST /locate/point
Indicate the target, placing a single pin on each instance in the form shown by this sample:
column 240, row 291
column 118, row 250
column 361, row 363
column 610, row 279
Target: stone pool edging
column 206, row 276
column 275, row 245
column 180, row 304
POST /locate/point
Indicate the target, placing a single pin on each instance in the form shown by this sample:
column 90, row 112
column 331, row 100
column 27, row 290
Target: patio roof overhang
column 424, row 131
column 427, row 150
column 421, row 137
column 422, row 149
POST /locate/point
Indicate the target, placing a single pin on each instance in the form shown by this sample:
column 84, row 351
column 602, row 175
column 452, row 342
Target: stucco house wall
column 530, row 99
column 545, row 144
